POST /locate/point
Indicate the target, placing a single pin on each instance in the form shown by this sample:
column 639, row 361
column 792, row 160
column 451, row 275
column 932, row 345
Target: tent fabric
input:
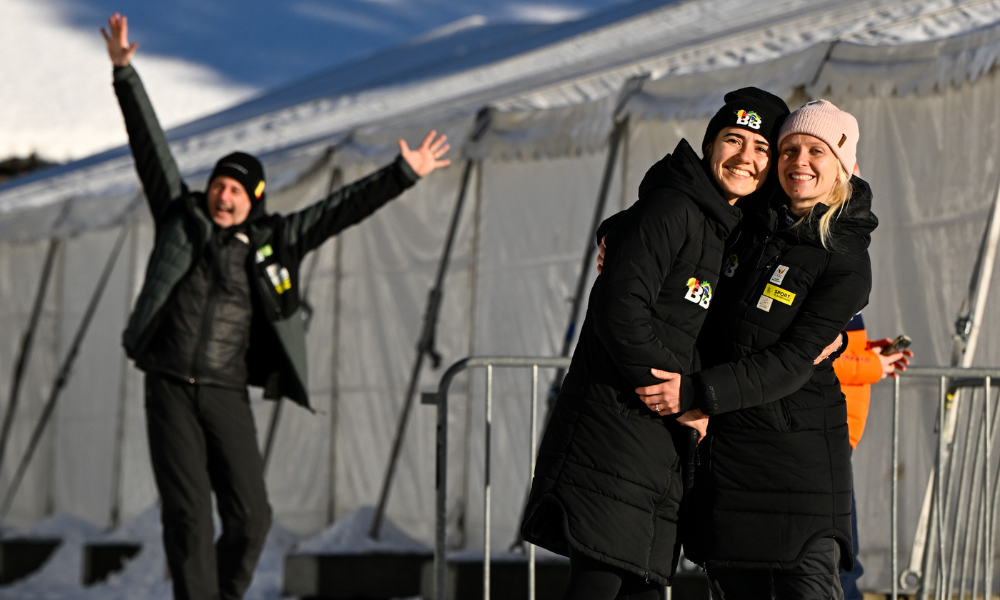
column 555, row 67
column 920, row 68
column 921, row 78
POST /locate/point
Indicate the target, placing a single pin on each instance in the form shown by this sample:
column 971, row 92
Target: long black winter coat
column 607, row 481
column 775, row 469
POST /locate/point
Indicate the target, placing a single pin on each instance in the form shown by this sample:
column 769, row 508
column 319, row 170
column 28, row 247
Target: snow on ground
column 62, row 571
column 349, row 535
column 145, row 575
column 198, row 58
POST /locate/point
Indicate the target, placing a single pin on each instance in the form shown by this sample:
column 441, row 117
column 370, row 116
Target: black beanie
column 243, row 168
column 752, row 109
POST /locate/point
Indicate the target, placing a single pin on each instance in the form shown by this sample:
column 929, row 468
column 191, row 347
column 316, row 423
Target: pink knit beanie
column 822, row 119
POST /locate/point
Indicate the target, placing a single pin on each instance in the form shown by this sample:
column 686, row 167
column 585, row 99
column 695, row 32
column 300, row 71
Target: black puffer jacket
column 607, row 481
column 205, row 335
column 775, row 468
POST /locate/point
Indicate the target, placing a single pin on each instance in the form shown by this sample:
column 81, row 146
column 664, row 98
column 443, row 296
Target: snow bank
column 62, row 571
column 349, row 535
column 144, row 576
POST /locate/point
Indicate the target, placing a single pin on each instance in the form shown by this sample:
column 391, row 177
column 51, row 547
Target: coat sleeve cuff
column 688, row 394
column 122, row 73
column 606, row 226
column 703, row 394
column 844, row 339
column 409, row 175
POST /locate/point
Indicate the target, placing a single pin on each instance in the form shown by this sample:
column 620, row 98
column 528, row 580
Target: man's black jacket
column 775, row 469
column 607, row 481
column 277, row 354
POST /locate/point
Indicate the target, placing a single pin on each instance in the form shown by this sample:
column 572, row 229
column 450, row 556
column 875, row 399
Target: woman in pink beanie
column 818, row 145
column 769, row 515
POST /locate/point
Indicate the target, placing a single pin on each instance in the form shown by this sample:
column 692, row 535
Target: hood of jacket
column 685, row 172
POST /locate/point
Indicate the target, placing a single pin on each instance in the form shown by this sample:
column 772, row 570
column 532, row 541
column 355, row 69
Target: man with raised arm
column 220, row 310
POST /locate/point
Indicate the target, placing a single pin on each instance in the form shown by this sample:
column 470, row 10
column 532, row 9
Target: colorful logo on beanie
column 260, row 189
column 748, row 118
column 699, row 292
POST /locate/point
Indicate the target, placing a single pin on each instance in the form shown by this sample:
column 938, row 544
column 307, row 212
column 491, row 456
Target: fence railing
column 440, row 398
column 962, row 493
column 961, row 501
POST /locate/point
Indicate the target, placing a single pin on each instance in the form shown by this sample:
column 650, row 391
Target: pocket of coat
column 784, row 416
column 673, row 491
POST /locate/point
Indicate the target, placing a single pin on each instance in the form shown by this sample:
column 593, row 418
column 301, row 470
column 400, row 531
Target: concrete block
column 102, row 559
column 353, row 576
column 20, row 557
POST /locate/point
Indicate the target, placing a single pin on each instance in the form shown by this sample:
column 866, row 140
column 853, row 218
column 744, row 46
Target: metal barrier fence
column 440, row 398
column 963, row 492
column 948, row 523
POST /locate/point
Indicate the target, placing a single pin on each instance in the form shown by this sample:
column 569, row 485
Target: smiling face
column 738, row 160
column 808, row 170
column 228, row 202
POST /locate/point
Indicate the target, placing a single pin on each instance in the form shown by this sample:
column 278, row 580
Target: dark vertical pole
column 631, row 87
column 64, row 371
column 119, row 454
column 26, row 343
column 425, row 344
column 588, row 254
column 614, row 142
column 272, row 427
column 425, row 347
column 338, row 276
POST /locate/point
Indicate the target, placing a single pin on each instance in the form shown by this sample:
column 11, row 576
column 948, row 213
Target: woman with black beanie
column 607, row 485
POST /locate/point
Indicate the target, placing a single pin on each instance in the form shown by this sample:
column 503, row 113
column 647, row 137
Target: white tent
column 919, row 75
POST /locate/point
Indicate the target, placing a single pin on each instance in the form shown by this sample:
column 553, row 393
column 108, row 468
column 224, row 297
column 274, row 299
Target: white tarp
column 919, row 76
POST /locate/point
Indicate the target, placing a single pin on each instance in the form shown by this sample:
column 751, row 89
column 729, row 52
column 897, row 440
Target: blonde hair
column 837, row 201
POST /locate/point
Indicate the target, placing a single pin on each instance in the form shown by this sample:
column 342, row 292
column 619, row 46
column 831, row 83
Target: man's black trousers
column 201, row 439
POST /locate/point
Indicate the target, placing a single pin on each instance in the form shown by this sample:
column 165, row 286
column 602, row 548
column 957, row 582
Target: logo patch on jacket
column 280, row 279
column 732, row 263
column 699, row 292
column 263, row 252
column 750, row 119
column 779, row 275
column 783, row 296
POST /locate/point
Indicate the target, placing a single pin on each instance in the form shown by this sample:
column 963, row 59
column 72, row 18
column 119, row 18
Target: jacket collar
column 850, row 231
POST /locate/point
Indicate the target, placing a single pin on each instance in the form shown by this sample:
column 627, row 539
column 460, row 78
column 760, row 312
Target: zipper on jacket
column 213, row 284
column 763, row 272
column 763, row 248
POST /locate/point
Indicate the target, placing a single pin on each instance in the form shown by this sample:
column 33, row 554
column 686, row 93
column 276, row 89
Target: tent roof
column 553, row 88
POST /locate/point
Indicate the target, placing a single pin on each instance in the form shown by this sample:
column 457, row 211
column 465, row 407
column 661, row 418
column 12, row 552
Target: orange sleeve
column 858, row 365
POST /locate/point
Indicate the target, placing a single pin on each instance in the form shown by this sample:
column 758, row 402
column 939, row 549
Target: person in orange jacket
column 860, row 365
